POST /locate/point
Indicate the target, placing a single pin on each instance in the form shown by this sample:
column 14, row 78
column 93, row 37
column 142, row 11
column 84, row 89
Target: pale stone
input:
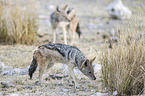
column 118, row 10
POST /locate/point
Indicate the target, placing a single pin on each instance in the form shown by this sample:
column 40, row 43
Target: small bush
column 17, row 22
column 123, row 67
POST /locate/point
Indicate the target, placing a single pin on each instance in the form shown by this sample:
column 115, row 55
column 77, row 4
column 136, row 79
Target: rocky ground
column 94, row 22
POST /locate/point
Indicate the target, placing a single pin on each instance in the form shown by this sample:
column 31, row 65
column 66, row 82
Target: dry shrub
column 18, row 21
column 123, row 67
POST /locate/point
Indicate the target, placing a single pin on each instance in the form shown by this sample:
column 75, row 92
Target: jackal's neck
column 80, row 58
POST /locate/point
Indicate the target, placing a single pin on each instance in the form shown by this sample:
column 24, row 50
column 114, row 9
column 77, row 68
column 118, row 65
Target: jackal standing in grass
column 67, row 19
column 48, row 54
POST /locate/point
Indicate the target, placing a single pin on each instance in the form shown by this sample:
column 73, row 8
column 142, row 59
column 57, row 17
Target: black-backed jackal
column 48, row 54
column 66, row 19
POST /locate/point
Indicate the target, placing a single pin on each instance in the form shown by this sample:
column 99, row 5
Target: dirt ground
column 94, row 22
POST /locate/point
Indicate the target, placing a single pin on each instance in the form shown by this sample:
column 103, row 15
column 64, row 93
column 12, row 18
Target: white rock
column 17, row 70
column 115, row 93
column 77, row 71
column 51, row 6
column 96, row 67
column 4, row 67
column 100, row 94
column 14, row 94
column 118, row 10
column 112, row 32
column 8, row 67
column 1, row 94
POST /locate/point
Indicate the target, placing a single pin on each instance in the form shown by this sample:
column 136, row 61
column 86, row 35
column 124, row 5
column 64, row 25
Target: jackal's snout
column 92, row 75
column 94, row 78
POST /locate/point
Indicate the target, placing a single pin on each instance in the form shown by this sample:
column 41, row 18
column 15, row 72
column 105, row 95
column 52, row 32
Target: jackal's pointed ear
column 65, row 7
column 57, row 10
column 71, row 14
column 92, row 60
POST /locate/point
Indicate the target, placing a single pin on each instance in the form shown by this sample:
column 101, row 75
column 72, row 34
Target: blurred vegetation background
column 18, row 22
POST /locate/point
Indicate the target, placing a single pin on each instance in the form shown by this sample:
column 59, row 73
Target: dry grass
column 17, row 22
column 123, row 66
column 17, row 56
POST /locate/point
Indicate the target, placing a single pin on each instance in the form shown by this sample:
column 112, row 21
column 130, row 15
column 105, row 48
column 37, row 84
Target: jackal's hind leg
column 64, row 34
column 41, row 71
column 70, row 33
column 43, row 62
column 73, row 28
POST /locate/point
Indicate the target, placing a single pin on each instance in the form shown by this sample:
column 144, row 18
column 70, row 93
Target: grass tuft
column 18, row 22
column 123, row 66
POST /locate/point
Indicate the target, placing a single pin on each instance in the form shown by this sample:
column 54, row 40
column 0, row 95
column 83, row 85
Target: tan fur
column 67, row 26
column 47, row 55
column 73, row 25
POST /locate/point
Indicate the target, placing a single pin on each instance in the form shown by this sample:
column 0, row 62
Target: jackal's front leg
column 71, row 72
column 54, row 35
column 64, row 34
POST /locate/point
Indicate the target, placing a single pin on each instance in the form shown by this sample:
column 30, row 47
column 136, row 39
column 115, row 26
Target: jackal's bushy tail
column 33, row 66
column 78, row 30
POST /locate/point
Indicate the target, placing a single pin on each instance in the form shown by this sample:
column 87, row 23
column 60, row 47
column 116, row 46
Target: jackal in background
column 48, row 54
column 66, row 19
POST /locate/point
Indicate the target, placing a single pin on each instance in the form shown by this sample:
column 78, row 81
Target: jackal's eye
column 86, row 64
